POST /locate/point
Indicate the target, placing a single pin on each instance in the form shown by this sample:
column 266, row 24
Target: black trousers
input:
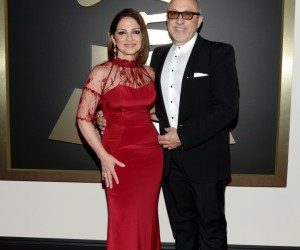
column 195, row 210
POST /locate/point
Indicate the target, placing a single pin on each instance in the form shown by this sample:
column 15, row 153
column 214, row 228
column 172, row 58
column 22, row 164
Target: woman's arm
column 87, row 107
column 108, row 162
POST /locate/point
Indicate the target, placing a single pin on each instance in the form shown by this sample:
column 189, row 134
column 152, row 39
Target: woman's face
column 127, row 38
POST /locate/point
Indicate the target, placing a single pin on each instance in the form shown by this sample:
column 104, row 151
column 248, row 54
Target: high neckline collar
column 124, row 62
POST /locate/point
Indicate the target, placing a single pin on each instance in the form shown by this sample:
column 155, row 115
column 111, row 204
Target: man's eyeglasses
column 186, row 15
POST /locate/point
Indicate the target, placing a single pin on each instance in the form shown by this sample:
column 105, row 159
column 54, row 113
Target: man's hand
column 101, row 122
column 170, row 140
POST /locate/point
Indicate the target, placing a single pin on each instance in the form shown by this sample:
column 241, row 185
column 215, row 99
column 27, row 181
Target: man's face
column 180, row 29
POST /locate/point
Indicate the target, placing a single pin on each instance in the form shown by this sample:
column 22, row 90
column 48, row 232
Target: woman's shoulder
column 102, row 65
column 150, row 70
column 101, row 69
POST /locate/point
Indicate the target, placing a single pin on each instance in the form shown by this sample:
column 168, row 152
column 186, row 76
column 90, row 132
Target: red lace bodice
column 105, row 77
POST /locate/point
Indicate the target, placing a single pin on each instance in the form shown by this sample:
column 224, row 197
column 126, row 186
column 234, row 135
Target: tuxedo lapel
column 187, row 92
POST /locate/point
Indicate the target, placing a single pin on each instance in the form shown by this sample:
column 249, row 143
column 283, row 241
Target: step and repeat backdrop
column 50, row 46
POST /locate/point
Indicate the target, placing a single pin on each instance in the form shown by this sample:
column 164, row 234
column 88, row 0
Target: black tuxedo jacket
column 208, row 106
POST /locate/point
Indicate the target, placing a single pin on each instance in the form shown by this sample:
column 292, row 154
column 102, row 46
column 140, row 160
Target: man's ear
column 200, row 20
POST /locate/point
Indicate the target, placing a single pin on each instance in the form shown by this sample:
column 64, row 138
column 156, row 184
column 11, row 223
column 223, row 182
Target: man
column 197, row 100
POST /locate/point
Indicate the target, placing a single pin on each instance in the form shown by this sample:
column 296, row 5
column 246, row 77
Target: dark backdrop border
column 21, row 243
column 278, row 179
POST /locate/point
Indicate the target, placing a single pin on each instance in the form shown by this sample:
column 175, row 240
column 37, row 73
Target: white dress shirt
column 171, row 78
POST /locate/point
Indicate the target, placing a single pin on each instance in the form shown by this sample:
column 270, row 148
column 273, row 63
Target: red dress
column 126, row 93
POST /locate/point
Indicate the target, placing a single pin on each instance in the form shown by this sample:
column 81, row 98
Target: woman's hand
column 108, row 163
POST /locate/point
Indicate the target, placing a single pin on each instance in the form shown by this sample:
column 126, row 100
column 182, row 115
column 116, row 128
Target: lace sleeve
column 90, row 96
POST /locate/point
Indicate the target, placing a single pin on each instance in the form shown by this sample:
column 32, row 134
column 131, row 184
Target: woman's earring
column 115, row 51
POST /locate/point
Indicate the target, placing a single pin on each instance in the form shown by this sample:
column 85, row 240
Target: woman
column 130, row 155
